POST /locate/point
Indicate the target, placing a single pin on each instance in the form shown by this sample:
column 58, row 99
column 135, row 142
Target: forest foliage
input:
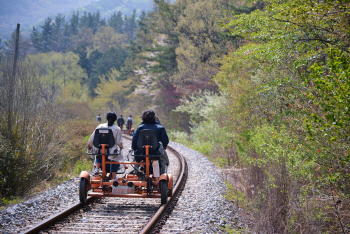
column 34, row 12
column 288, row 95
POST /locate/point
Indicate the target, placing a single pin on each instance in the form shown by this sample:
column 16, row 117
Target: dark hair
column 148, row 116
column 111, row 118
column 121, row 116
column 130, row 116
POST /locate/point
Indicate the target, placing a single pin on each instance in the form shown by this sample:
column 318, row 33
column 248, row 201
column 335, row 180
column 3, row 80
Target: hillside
column 34, row 12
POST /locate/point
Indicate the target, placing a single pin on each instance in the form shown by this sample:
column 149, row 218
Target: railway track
column 118, row 215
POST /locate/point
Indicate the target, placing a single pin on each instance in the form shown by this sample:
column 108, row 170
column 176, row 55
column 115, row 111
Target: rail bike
column 128, row 129
column 145, row 181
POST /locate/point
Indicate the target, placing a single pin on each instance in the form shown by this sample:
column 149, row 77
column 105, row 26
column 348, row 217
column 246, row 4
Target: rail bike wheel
column 163, row 191
column 83, row 189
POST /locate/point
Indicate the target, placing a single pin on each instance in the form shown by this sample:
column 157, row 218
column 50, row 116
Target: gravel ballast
column 202, row 207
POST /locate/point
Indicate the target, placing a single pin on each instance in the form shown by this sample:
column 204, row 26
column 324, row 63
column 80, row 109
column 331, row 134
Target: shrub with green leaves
column 32, row 142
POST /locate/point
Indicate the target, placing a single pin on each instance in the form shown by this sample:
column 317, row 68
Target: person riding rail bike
column 120, row 122
column 111, row 118
column 99, row 118
column 148, row 118
column 129, row 122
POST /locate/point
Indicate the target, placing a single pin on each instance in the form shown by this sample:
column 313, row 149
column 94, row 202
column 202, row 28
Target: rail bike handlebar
column 87, row 152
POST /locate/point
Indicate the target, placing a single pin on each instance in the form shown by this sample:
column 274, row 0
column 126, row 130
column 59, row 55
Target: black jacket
column 120, row 120
column 160, row 131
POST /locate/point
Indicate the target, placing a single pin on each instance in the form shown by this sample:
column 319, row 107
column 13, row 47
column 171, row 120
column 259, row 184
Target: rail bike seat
column 148, row 137
column 104, row 136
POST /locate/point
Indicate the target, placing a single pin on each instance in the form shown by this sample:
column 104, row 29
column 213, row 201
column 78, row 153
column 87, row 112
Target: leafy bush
column 180, row 137
column 84, row 165
column 289, row 108
column 33, row 145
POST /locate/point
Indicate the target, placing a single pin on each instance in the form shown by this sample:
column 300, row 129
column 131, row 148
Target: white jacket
column 117, row 133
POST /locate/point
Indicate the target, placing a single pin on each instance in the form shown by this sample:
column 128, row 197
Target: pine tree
column 96, row 21
column 35, row 38
column 57, row 33
column 130, row 25
column 164, row 20
column 46, row 35
column 66, row 42
column 94, row 71
column 116, row 21
column 74, row 23
column 83, row 22
column 90, row 21
column 142, row 23
column 83, row 59
column 103, row 22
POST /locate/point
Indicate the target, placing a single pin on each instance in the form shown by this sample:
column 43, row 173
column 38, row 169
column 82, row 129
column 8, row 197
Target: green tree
column 83, row 60
column 130, row 25
column 93, row 61
column 116, row 21
column 74, row 23
column 85, row 37
column 106, row 37
column 57, row 33
column 35, row 38
column 24, row 46
column 59, row 71
column 84, row 20
column 46, row 35
column 112, row 92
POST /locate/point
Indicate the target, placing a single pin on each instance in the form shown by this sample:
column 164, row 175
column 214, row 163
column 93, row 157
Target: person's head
column 130, row 116
column 148, row 116
column 111, row 118
column 99, row 115
column 121, row 116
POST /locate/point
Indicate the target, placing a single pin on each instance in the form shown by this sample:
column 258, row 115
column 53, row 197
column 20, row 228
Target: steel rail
column 146, row 229
column 54, row 219
column 163, row 209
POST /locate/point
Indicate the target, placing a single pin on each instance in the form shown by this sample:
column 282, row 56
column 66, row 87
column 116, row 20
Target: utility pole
column 16, row 52
column 12, row 85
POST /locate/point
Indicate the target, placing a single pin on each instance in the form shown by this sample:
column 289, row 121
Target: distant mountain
column 34, row 12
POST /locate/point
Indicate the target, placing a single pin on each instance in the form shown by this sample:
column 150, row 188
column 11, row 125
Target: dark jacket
column 120, row 121
column 160, row 131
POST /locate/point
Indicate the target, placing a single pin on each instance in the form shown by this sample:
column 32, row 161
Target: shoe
column 115, row 179
column 95, row 171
